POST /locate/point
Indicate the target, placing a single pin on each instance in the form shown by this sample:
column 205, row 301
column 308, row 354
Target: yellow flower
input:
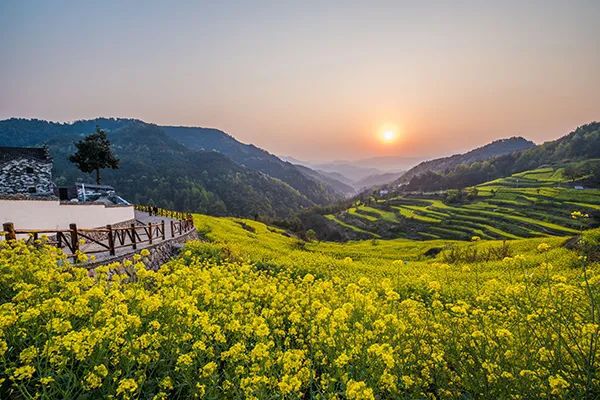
column 28, row 355
column 342, row 360
column 166, row 383
column 24, row 372
column 101, row 370
column 127, row 387
column 184, row 360
column 295, row 317
column 504, row 333
column 92, row 381
column 364, row 281
column 543, row 247
column 209, row 369
column 289, row 384
column 558, row 384
column 358, row 390
column 155, row 325
column 45, row 381
column 590, row 329
column 579, row 215
column 388, row 381
column 392, row 295
column 407, row 381
column 200, row 390
column 308, row 278
column 82, row 257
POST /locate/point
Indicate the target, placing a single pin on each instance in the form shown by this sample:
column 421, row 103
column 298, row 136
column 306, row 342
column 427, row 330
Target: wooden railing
column 152, row 210
column 102, row 240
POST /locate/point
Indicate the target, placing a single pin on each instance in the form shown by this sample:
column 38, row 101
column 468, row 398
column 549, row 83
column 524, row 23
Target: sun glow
column 388, row 135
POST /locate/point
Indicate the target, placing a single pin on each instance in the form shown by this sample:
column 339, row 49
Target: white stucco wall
column 51, row 214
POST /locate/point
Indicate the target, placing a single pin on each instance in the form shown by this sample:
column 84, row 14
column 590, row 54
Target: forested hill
column 311, row 184
column 158, row 168
column 581, row 144
column 490, row 150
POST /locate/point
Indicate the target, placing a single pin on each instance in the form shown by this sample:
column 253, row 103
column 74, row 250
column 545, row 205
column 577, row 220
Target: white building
column 27, row 196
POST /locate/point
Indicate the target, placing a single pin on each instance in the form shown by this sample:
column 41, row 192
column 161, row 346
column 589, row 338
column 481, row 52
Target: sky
column 310, row 79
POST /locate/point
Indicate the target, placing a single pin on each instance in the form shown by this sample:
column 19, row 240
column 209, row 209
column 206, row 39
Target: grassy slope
column 375, row 258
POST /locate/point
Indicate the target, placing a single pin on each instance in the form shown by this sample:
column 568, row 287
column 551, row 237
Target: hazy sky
column 314, row 80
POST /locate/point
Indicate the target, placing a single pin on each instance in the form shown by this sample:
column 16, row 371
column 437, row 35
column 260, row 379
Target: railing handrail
column 113, row 237
column 153, row 210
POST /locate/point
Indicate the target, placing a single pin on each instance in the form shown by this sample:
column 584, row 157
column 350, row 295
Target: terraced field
column 534, row 178
column 528, row 204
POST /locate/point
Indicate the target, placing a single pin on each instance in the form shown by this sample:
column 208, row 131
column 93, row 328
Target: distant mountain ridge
column 377, row 180
column 490, row 150
column 336, row 183
column 361, row 174
column 194, row 169
column 581, row 144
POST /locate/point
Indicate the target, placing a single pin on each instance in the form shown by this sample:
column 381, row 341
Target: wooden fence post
column 74, row 238
column 9, row 228
column 111, row 240
column 162, row 228
column 149, row 232
column 133, row 241
column 172, row 229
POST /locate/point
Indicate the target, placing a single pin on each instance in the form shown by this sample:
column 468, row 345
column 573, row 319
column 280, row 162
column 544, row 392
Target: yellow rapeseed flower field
column 251, row 313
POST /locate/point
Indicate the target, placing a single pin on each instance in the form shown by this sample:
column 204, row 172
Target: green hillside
column 578, row 146
column 306, row 181
column 192, row 169
column 528, row 204
column 489, row 151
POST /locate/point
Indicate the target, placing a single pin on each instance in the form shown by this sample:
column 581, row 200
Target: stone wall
column 26, row 175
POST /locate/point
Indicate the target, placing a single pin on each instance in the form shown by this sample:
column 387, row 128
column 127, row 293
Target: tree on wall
column 94, row 153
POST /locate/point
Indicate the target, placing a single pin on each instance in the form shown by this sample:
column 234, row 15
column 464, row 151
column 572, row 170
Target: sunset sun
column 388, row 136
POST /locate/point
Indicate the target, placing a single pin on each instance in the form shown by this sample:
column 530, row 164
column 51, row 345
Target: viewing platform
column 155, row 229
